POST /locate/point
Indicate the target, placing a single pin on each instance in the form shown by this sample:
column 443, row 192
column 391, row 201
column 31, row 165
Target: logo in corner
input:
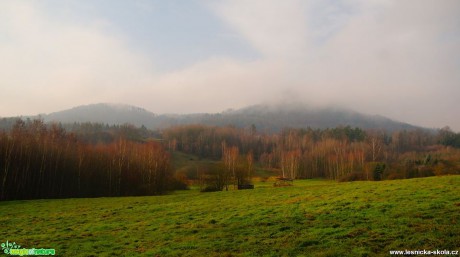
column 15, row 249
column 7, row 247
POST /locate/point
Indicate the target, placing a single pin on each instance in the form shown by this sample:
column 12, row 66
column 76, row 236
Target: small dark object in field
column 210, row 189
column 246, row 186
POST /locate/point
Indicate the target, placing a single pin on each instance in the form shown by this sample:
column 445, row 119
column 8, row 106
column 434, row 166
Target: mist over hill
column 104, row 113
column 266, row 117
column 272, row 118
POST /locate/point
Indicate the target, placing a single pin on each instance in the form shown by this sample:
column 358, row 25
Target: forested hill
column 266, row 118
column 112, row 114
column 273, row 118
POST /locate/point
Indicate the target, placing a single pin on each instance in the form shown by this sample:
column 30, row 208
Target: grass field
column 311, row 218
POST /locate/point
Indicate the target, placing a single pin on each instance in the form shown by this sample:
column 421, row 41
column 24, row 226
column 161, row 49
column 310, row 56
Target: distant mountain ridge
column 266, row 117
column 106, row 113
column 272, row 118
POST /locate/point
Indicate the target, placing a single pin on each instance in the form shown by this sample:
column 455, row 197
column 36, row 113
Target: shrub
column 395, row 175
column 353, row 176
column 210, row 189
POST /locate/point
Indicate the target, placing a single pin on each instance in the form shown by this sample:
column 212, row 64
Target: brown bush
column 395, row 175
column 353, row 176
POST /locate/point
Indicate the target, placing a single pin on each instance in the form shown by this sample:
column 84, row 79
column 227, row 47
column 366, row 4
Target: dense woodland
column 39, row 160
column 342, row 153
column 44, row 161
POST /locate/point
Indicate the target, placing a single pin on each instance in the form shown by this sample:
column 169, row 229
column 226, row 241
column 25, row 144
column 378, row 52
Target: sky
column 400, row 59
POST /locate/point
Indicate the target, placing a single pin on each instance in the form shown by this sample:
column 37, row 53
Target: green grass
column 311, row 218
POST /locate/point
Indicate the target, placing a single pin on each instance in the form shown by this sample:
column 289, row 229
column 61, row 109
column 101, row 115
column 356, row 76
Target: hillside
column 104, row 113
column 273, row 118
column 311, row 218
column 266, row 118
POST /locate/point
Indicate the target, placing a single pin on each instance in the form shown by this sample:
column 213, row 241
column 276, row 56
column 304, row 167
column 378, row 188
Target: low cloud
column 48, row 65
column 395, row 58
column 389, row 57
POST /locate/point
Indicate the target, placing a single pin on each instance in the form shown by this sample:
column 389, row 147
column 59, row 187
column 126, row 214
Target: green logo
column 7, row 247
column 15, row 249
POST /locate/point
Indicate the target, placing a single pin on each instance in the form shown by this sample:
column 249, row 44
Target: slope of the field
column 311, row 218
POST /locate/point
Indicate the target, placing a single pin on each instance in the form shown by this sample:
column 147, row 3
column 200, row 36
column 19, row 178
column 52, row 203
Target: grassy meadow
column 311, row 218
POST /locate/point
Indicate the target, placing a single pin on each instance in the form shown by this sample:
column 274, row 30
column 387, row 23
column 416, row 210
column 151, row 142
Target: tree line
column 341, row 153
column 39, row 160
column 45, row 161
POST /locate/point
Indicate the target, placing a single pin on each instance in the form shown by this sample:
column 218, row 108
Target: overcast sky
column 400, row 59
